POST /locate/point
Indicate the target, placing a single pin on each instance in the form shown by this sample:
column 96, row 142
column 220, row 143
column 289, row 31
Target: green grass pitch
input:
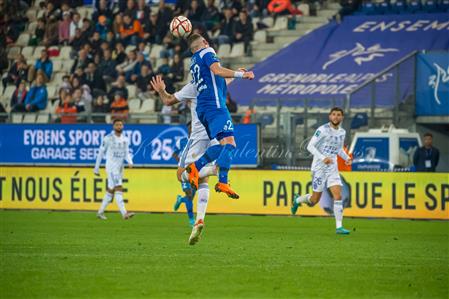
column 74, row 255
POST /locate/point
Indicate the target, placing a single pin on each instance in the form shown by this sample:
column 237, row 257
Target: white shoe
column 101, row 216
column 196, row 232
column 128, row 216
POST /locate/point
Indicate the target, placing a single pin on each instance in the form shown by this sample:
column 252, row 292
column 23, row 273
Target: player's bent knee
column 203, row 180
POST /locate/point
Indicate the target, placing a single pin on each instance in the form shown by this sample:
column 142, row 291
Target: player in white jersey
column 196, row 146
column 115, row 147
column 325, row 145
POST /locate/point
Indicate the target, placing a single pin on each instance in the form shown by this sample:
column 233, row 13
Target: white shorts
column 114, row 179
column 195, row 148
column 325, row 178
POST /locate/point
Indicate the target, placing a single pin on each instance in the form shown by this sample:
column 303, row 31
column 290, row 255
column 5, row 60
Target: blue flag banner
column 432, row 84
column 333, row 60
column 151, row 145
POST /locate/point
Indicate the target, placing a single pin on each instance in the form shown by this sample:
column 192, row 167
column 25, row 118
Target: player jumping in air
column 115, row 147
column 325, row 145
column 196, row 146
column 208, row 77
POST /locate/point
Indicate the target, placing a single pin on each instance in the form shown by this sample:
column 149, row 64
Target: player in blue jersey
column 209, row 78
column 189, row 193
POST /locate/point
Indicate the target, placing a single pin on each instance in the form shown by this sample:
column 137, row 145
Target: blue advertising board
column 151, row 145
column 432, row 84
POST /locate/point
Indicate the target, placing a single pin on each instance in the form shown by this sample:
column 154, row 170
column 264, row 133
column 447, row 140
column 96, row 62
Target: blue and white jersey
column 211, row 88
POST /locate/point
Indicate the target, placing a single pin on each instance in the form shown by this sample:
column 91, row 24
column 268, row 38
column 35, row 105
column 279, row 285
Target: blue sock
column 184, row 200
column 224, row 162
column 189, row 207
column 210, row 155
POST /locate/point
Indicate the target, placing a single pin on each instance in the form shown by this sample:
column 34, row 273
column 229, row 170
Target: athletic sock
column 106, row 201
column 304, row 199
column 210, row 155
column 120, row 202
column 189, row 207
column 338, row 213
column 224, row 162
column 203, row 198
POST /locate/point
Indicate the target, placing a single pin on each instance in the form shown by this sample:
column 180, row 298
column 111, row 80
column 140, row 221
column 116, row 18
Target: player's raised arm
column 218, row 70
column 158, row 85
column 311, row 147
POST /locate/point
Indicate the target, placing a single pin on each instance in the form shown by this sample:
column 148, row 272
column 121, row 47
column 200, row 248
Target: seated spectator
column 51, row 11
column 78, row 41
column 82, row 61
column 66, row 84
column 64, row 28
column 39, row 33
column 141, row 48
column 227, row 27
column 165, row 14
column 153, row 29
column 164, row 68
column 244, row 30
column 142, row 12
column 107, row 66
column 76, row 23
column 51, row 35
column 130, row 31
column 95, row 41
column 87, row 98
column 36, row 98
column 102, row 27
column 19, row 95
column 128, row 65
column 86, row 29
column 83, row 102
column 119, row 86
column 119, row 107
column 66, row 110
column 144, row 78
column 168, row 47
column 135, row 72
column 17, row 72
column 99, row 107
column 119, row 54
column 195, row 13
column 176, row 73
column 102, row 10
column 43, row 64
column 211, row 16
column 131, row 8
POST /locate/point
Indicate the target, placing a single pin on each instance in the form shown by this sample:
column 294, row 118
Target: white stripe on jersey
column 205, row 51
column 217, row 100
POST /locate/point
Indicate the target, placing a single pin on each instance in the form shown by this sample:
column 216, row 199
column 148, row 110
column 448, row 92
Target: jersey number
column 196, row 75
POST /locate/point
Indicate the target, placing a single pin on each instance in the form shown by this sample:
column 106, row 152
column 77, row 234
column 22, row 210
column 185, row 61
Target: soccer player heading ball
column 325, row 145
column 115, row 147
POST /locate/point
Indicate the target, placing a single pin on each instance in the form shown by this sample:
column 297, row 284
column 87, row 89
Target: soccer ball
column 180, row 27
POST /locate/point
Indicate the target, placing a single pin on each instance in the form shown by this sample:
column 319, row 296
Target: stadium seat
column 368, row 8
column 40, row 12
column 359, row 120
column 414, row 6
column 12, row 53
column 23, row 40
column 280, row 24
column 269, row 21
column 37, row 52
column 65, row 52
column 260, row 36
column 265, row 120
column 52, row 91
column 130, row 48
column 224, row 50
column 67, row 65
column 57, row 77
column 132, row 91
column 382, row 7
column 32, row 28
column 304, row 7
column 147, row 106
column 430, row 6
column 7, row 93
column 27, row 51
column 443, row 5
column 254, row 20
column 16, row 118
column 238, row 50
column 398, row 7
column 107, row 119
column 134, row 105
column 57, row 65
column 42, row 118
column 31, row 14
column 155, row 52
column 29, row 118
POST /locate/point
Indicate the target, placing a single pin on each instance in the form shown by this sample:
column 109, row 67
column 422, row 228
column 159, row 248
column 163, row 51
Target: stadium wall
column 263, row 192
